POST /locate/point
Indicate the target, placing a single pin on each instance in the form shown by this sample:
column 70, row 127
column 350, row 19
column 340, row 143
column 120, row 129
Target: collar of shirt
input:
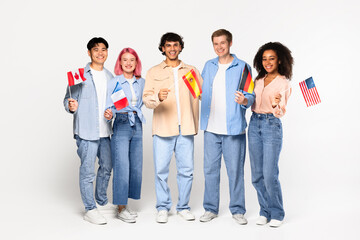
column 234, row 62
column 163, row 65
column 87, row 70
column 123, row 80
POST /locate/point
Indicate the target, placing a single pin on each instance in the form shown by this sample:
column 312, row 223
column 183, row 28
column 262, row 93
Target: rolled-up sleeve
column 150, row 95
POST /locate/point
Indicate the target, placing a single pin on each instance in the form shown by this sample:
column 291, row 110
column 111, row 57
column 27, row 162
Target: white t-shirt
column 217, row 117
column 100, row 81
column 176, row 87
column 133, row 97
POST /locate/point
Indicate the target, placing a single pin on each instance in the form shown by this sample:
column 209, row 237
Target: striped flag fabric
column 309, row 92
column 246, row 82
column 76, row 76
column 118, row 97
column 192, row 82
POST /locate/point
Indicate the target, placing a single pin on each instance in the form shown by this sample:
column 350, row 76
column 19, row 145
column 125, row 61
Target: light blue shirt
column 138, row 86
column 235, row 113
column 86, row 117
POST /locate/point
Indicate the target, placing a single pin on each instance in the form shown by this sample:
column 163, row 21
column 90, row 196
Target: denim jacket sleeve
column 250, row 96
column 109, row 102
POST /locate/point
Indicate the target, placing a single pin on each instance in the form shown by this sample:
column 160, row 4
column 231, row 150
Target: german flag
column 192, row 82
column 246, row 83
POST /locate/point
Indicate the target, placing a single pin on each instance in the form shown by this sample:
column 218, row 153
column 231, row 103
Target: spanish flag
column 192, row 83
column 246, row 83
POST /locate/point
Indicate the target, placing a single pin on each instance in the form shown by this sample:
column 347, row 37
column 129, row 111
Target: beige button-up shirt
column 165, row 120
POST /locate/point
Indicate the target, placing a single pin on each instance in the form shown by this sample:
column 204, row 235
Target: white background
column 319, row 165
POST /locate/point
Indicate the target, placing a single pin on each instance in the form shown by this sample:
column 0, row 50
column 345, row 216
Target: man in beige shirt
column 175, row 122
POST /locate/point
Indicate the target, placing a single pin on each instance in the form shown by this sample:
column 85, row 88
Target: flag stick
column 70, row 91
column 171, row 86
column 282, row 92
column 285, row 90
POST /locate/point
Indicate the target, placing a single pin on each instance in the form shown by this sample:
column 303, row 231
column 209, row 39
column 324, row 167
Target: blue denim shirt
column 235, row 113
column 138, row 86
column 86, row 117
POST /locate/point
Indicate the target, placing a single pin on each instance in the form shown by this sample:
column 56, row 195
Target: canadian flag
column 76, row 77
column 119, row 98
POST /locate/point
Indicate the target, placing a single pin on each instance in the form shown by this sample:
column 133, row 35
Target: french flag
column 76, row 77
column 118, row 97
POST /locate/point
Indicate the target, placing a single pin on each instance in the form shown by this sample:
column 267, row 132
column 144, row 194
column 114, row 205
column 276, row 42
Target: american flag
column 309, row 92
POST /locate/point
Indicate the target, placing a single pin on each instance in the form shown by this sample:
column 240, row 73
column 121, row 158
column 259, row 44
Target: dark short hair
column 222, row 32
column 95, row 41
column 170, row 37
column 283, row 54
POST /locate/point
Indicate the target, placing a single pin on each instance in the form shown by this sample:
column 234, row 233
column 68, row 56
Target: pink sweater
column 265, row 95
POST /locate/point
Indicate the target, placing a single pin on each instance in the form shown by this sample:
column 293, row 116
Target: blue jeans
column 127, row 158
column 87, row 151
column 183, row 146
column 233, row 147
column 265, row 142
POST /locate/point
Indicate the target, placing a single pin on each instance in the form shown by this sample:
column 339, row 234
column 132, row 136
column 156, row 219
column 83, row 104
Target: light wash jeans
column 233, row 147
column 163, row 148
column 87, row 151
column 265, row 142
column 127, row 159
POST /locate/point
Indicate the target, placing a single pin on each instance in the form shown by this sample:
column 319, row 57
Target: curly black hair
column 283, row 54
column 170, row 37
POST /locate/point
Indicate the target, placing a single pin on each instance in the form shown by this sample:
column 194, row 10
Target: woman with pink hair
column 124, row 102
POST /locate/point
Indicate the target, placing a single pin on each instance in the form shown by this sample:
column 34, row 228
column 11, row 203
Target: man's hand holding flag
column 74, row 77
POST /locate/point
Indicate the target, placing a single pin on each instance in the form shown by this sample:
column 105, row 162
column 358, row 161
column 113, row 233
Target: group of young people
column 176, row 122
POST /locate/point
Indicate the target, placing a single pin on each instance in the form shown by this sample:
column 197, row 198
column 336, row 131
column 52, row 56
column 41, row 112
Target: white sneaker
column 125, row 216
column 162, row 216
column 106, row 208
column 187, row 215
column 95, row 217
column 240, row 219
column 208, row 216
column 275, row 223
column 261, row 220
column 132, row 212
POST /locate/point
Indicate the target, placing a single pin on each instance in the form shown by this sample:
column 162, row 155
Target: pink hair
column 118, row 69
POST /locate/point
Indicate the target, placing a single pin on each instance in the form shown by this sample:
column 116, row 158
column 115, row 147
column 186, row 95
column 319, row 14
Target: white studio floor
column 67, row 223
column 57, row 214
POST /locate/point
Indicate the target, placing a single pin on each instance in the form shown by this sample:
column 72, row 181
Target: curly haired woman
column 273, row 62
